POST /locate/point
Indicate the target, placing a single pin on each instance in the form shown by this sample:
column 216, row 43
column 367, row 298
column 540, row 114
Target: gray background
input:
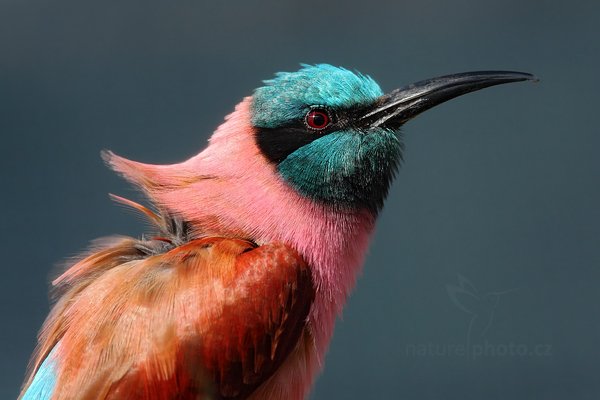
column 499, row 187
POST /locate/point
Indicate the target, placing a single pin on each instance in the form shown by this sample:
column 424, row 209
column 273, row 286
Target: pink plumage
column 247, row 198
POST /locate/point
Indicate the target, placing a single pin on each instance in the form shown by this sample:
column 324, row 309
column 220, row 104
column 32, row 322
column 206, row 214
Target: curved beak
column 395, row 108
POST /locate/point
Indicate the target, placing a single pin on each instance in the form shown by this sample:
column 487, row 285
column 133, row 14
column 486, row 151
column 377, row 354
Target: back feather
column 171, row 317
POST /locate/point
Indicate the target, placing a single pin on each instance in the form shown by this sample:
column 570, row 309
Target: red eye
column 317, row 119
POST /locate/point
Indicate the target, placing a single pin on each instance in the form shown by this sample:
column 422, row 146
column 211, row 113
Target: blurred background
column 482, row 280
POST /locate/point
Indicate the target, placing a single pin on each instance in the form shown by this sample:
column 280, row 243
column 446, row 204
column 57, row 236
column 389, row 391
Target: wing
column 210, row 318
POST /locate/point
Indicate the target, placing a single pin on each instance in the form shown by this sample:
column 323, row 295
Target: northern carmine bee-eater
column 258, row 242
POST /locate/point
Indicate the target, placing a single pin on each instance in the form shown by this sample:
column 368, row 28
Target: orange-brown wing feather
column 213, row 318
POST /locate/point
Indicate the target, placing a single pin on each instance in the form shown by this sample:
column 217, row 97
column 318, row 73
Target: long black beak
column 400, row 105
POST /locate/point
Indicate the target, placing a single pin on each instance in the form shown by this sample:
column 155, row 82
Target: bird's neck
column 231, row 189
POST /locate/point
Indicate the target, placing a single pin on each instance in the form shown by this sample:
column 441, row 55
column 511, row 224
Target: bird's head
column 322, row 138
column 333, row 135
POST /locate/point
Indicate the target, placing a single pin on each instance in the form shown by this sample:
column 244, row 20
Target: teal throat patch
column 345, row 169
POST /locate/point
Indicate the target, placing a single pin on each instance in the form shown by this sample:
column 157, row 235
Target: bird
column 255, row 246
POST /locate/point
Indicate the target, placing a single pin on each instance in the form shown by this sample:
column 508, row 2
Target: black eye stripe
column 279, row 142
